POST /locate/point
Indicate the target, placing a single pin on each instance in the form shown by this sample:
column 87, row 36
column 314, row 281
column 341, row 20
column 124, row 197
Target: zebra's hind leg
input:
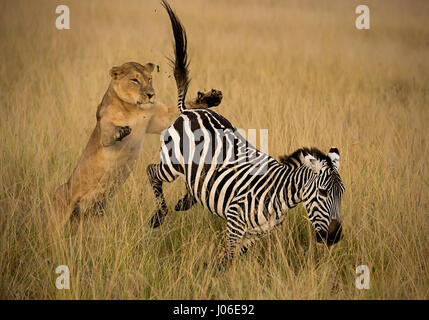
column 157, row 175
column 235, row 231
column 185, row 203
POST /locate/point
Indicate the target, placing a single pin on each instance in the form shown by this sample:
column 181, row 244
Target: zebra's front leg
column 248, row 242
column 155, row 179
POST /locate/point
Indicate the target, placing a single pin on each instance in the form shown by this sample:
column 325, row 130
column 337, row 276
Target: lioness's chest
column 130, row 147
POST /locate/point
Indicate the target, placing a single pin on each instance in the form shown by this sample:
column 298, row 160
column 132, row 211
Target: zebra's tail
column 181, row 64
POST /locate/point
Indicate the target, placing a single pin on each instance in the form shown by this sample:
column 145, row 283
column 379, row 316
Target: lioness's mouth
column 145, row 105
column 147, row 102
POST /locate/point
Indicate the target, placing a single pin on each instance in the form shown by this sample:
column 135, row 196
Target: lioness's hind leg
column 99, row 207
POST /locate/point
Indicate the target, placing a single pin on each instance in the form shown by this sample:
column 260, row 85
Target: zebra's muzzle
column 333, row 235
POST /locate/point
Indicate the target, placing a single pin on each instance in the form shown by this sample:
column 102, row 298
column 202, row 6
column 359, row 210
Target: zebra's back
column 217, row 163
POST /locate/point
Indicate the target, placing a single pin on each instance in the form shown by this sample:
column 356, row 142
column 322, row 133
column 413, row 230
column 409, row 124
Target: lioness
column 127, row 111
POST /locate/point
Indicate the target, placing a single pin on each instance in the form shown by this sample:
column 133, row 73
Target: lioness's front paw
column 122, row 132
column 212, row 98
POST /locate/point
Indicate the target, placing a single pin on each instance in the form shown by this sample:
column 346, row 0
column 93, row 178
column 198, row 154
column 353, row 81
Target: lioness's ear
column 149, row 67
column 116, row 73
column 200, row 95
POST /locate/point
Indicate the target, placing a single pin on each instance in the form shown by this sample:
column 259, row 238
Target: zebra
column 231, row 178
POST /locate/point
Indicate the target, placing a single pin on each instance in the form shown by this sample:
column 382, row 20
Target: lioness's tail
column 181, row 58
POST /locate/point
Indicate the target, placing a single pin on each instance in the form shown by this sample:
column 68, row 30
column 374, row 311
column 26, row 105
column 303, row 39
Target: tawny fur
column 126, row 113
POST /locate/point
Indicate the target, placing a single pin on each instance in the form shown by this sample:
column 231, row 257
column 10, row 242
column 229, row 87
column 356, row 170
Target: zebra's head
column 322, row 193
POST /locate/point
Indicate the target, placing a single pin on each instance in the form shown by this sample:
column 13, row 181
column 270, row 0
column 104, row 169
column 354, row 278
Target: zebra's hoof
column 184, row 204
column 179, row 205
column 156, row 220
column 211, row 98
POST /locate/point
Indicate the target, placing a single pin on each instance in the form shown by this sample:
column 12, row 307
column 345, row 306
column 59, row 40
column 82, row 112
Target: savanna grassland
column 297, row 68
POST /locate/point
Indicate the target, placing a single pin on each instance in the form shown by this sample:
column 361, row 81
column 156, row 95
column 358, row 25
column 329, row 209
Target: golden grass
column 298, row 68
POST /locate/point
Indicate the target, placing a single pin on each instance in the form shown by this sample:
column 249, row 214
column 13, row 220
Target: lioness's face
column 132, row 83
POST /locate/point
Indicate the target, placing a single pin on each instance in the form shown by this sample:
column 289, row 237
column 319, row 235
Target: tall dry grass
column 298, row 68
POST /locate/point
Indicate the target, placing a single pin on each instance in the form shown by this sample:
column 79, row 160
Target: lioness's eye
column 135, row 80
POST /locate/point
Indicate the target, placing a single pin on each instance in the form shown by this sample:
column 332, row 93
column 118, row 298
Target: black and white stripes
column 251, row 190
column 234, row 180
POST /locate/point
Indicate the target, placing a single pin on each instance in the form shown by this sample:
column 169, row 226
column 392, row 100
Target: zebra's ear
column 334, row 155
column 313, row 163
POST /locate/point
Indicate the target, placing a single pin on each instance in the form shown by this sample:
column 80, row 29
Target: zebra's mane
column 295, row 156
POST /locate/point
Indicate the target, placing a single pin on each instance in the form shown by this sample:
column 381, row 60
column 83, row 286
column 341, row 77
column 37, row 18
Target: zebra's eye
column 323, row 192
